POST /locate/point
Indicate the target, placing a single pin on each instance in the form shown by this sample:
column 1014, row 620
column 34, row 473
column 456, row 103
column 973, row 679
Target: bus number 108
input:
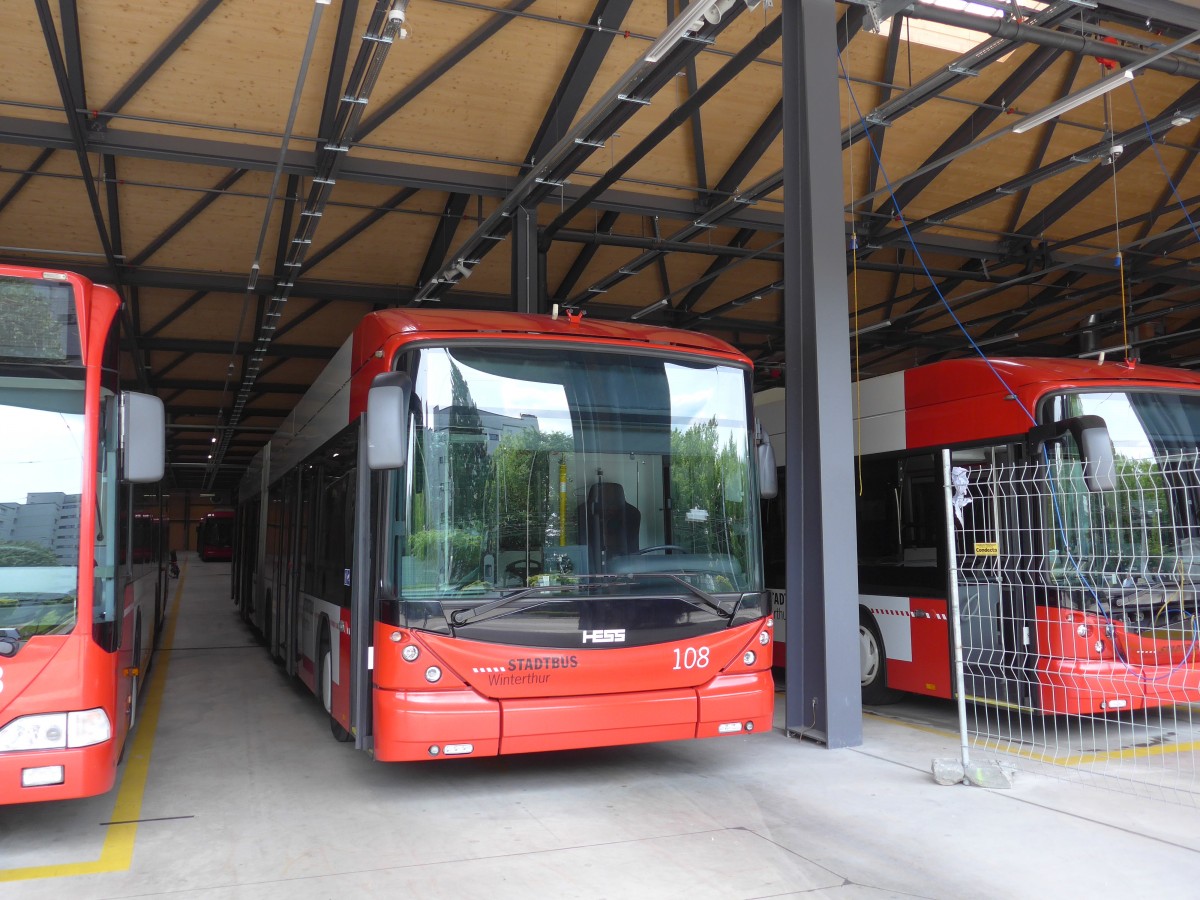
column 691, row 658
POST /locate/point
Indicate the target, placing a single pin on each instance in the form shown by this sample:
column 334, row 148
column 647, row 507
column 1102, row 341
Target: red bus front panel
column 504, row 699
column 50, row 676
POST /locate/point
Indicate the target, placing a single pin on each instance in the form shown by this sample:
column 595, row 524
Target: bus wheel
column 873, row 661
column 335, row 726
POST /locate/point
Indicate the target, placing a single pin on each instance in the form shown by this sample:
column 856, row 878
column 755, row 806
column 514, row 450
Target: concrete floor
column 235, row 788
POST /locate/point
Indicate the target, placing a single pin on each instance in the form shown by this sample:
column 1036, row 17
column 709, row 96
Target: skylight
column 949, row 37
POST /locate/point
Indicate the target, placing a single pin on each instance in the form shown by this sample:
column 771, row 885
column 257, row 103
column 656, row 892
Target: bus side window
column 900, row 526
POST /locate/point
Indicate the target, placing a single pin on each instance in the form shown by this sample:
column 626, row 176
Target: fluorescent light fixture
column 1000, row 338
column 886, row 323
column 1103, row 86
column 692, row 19
column 686, row 21
column 1180, row 119
column 646, row 310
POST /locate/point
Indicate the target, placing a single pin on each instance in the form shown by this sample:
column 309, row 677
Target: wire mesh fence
column 1077, row 609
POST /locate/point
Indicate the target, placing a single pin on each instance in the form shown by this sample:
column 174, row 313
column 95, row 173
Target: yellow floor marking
column 116, row 855
column 1077, row 759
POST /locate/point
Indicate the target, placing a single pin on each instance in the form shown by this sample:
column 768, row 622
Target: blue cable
column 1084, row 580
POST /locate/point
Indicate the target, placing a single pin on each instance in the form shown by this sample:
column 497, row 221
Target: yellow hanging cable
column 1120, row 258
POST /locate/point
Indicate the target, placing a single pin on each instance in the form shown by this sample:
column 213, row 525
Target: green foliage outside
column 28, row 327
column 24, row 554
column 520, row 478
column 461, row 544
column 1130, row 530
column 706, row 476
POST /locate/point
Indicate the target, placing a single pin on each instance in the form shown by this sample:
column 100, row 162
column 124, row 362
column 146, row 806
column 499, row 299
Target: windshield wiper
column 462, row 617
column 700, row 599
column 706, row 599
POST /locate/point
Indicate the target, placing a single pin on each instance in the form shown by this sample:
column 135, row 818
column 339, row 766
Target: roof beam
column 198, row 384
column 426, row 79
column 878, row 133
column 584, row 258
column 394, row 202
column 767, row 36
column 443, row 236
column 579, row 76
column 175, row 313
column 642, row 81
column 337, row 66
column 209, row 197
column 79, row 144
column 225, row 348
column 73, row 57
column 155, row 61
column 24, row 178
column 1032, row 68
column 230, row 155
column 1134, row 140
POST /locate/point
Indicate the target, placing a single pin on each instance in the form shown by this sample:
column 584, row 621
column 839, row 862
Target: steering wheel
column 664, row 547
column 517, row 569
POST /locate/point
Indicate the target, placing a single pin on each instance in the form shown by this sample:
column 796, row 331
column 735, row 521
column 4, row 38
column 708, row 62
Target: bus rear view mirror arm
column 387, row 420
column 1095, row 445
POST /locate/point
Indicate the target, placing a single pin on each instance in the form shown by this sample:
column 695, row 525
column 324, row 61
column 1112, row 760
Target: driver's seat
column 608, row 525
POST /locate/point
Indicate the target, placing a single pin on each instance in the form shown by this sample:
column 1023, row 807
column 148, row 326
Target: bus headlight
column 748, row 658
column 55, row 731
column 433, row 674
column 410, row 652
column 88, row 727
column 47, row 732
column 764, row 638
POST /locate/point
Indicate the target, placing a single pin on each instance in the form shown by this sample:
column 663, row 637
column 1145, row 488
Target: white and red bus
column 1075, row 597
column 82, row 574
column 486, row 533
column 214, row 536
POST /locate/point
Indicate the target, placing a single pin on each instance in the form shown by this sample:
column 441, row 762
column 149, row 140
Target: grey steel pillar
column 823, row 683
column 526, row 262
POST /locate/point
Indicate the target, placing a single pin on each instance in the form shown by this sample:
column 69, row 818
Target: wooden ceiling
column 180, row 152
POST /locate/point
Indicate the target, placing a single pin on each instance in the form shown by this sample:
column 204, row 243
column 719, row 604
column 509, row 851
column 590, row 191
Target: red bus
column 214, row 536
column 1076, row 593
column 82, row 583
column 485, row 533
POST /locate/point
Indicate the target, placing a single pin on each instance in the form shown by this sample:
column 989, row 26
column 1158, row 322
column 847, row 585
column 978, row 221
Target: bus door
column 284, row 615
column 991, row 498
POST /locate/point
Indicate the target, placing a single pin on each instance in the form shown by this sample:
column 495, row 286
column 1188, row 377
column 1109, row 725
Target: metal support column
column 823, row 683
column 526, row 280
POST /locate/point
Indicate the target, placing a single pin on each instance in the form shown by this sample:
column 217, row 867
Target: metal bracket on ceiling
column 882, row 11
column 962, row 70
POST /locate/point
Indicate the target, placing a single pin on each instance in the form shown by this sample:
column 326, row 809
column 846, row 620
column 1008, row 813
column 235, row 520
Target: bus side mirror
column 1096, row 452
column 1096, row 448
column 768, row 472
column 387, row 420
column 143, row 438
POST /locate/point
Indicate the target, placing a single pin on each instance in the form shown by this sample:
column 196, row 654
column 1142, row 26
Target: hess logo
column 605, row 636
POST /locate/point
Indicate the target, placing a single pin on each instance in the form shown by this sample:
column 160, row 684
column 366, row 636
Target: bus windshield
column 41, row 480
column 562, row 469
column 1147, row 530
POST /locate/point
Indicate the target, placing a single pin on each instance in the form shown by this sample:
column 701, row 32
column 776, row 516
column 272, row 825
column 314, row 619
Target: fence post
column 955, row 619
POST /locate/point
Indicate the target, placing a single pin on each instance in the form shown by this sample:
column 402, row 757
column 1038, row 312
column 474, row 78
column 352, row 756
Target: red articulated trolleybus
column 1075, row 491
column 82, row 575
column 485, row 533
column 214, row 536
